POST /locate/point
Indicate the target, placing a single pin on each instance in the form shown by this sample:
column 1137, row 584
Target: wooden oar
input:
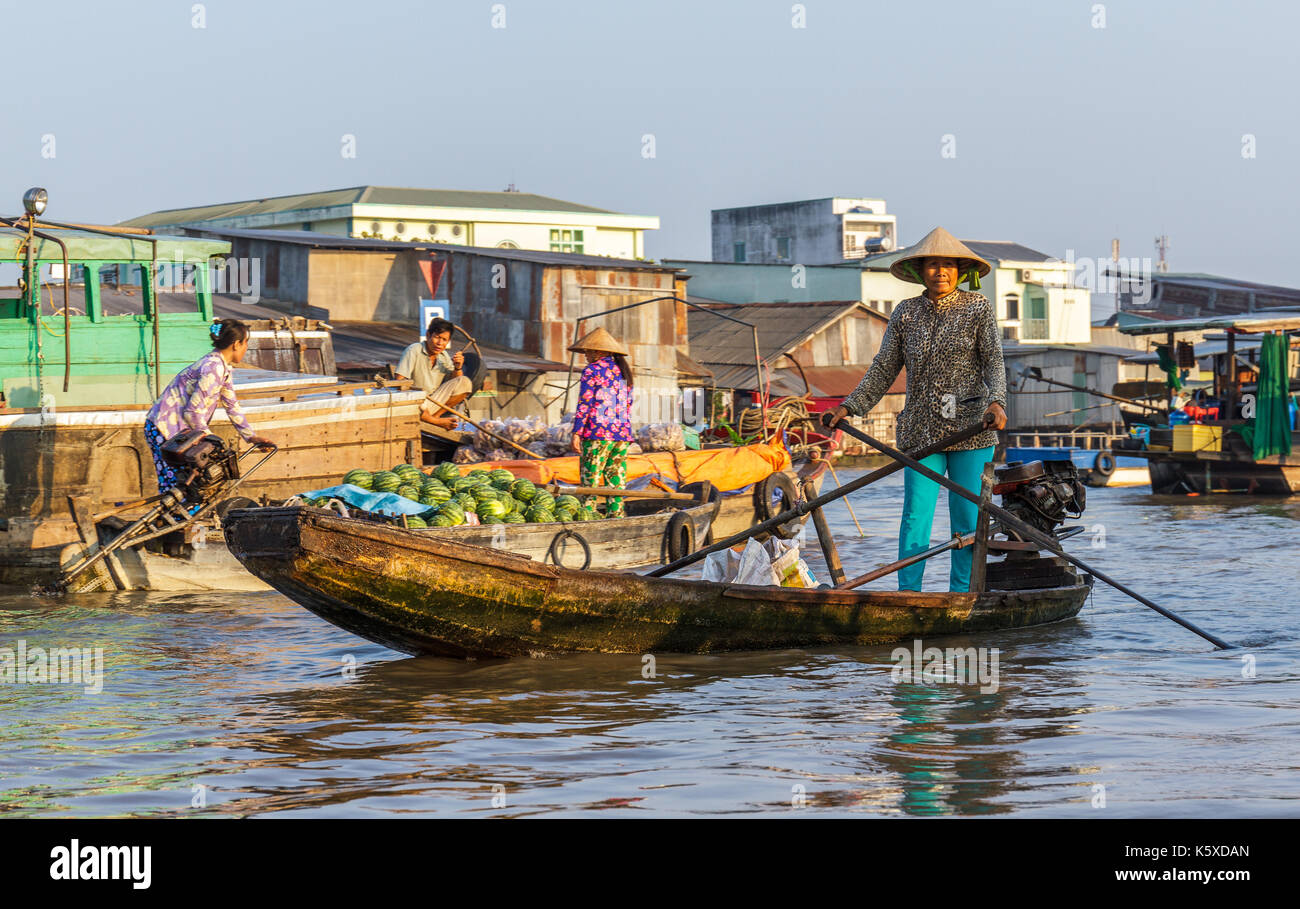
column 1028, row 531
column 806, row 507
column 487, row 432
column 957, row 542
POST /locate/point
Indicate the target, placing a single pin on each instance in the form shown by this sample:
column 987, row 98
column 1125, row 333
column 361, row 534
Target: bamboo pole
column 606, row 492
column 487, row 432
column 836, row 478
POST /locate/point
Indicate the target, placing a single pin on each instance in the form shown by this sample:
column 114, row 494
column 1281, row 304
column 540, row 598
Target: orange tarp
column 726, row 468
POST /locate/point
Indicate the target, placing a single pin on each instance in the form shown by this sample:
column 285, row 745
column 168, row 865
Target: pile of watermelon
column 496, row 496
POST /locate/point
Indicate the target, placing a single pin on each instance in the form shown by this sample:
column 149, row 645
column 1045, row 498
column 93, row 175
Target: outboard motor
column 203, row 461
column 1043, row 494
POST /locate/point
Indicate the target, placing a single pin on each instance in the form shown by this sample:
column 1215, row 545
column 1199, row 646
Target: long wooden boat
column 423, row 594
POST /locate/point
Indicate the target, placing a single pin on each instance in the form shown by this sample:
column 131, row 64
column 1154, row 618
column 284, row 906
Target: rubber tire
column 764, row 492
column 679, row 536
column 1104, row 465
column 705, row 491
column 553, row 557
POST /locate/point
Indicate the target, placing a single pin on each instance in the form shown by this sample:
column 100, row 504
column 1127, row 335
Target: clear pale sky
column 1066, row 135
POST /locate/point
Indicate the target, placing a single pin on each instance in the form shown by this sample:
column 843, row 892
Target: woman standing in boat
column 190, row 399
column 949, row 341
column 602, row 424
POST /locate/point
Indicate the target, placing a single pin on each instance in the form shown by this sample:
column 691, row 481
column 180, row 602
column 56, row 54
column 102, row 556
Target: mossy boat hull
column 421, row 594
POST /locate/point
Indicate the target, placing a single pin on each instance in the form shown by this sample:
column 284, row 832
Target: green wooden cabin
column 113, row 356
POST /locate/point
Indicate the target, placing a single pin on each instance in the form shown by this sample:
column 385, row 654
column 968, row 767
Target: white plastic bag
column 720, row 567
column 755, row 565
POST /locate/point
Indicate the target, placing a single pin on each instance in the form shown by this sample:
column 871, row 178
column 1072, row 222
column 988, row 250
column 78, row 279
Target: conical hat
column 598, row 341
column 940, row 244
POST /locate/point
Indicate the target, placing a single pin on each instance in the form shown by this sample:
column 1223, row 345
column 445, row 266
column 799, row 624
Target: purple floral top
column 604, row 404
column 191, row 398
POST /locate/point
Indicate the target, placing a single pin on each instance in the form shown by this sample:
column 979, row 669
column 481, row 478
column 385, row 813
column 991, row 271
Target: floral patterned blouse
column 604, row 403
column 191, row 398
column 953, row 353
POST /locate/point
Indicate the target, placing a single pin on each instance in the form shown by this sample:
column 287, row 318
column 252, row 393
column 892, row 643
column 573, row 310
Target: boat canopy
column 90, row 246
column 1244, row 323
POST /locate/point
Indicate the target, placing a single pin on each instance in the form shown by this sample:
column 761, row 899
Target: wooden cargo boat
column 421, row 594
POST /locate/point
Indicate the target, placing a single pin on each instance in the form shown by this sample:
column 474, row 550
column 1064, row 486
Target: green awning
column 86, row 246
column 1272, row 434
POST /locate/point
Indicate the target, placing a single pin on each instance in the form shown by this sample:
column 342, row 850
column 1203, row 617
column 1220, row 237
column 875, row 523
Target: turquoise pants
column 919, row 497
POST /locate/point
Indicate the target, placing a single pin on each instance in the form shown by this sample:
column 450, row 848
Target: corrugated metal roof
column 359, row 195
column 1274, row 320
column 783, row 382
column 833, row 381
column 331, row 241
column 1014, row 349
column 689, row 367
column 781, row 327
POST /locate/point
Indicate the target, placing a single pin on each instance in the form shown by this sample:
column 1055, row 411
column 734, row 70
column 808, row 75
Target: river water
column 246, row 704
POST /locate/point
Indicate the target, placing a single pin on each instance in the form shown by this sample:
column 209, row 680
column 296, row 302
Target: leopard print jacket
column 953, row 354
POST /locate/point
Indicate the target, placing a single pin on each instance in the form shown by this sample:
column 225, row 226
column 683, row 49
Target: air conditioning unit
column 1027, row 276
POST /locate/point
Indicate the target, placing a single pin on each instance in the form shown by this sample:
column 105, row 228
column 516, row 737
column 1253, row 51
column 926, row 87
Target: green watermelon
column 408, row 492
column 523, row 490
column 502, row 479
column 491, row 519
column 583, row 514
column 485, row 493
column 544, row 499
column 565, row 514
column 363, row 478
column 414, row 522
column 385, row 481
column 567, row 501
column 491, row 508
column 514, row 518
column 537, row 515
column 442, row 520
column 479, row 472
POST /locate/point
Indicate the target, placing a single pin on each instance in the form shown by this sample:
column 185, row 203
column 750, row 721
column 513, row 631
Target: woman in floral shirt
column 602, row 424
column 190, row 399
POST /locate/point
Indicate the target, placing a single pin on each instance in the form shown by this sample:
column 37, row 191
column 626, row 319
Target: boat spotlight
column 34, row 201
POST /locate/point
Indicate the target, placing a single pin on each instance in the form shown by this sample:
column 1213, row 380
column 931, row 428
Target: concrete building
column 812, row 232
column 506, row 220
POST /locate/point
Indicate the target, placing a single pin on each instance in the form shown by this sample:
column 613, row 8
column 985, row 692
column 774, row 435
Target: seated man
column 437, row 373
